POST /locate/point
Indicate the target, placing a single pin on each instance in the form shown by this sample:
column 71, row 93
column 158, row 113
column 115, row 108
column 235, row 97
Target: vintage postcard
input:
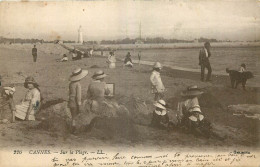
column 138, row 83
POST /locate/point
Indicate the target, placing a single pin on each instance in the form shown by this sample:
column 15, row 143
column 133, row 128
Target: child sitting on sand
column 189, row 113
column 242, row 67
column 31, row 103
column 160, row 117
column 64, row 58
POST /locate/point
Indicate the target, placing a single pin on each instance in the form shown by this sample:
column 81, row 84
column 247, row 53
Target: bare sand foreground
column 16, row 63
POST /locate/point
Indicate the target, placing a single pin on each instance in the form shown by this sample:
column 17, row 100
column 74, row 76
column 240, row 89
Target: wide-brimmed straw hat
column 157, row 65
column 99, row 75
column 30, row 80
column 160, row 104
column 192, row 91
column 78, row 74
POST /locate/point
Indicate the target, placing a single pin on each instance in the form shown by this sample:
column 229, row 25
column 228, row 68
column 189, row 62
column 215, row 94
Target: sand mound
column 94, row 66
column 113, row 128
column 139, row 110
column 247, row 110
column 110, row 120
column 56, row 118
column 209, row 101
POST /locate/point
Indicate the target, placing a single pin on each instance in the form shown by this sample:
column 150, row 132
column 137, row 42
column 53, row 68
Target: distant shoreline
column 167, row 45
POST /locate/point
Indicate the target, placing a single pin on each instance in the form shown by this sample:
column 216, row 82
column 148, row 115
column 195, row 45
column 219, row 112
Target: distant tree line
column 19, row 40
column 119, row 41
column 147, row 40
column 207, row 40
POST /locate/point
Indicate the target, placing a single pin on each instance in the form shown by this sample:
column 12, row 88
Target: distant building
column 80, row 36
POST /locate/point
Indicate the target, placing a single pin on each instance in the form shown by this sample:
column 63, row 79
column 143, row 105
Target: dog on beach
column 237, row 77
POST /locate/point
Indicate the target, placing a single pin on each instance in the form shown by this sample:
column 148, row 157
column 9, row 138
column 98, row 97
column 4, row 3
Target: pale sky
column 180, row 19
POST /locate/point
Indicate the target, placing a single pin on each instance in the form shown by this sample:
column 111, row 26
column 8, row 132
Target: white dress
column 32, row 96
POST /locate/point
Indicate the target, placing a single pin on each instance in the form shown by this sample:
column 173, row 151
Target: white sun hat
column 99, row 75
column 157, row 65
column 160, row 104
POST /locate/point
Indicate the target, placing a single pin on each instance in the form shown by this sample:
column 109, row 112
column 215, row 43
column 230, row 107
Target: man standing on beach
column 34, row 53
column 204, row 61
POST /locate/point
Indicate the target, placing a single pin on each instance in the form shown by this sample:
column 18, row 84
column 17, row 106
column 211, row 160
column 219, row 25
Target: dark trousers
column 203, row 66
column 158, row 96
column 34, row 58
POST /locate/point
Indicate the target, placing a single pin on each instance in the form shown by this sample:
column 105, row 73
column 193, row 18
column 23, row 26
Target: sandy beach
column 16, row 63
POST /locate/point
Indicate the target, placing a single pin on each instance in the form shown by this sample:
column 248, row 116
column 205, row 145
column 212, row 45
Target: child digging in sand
column 160, row 117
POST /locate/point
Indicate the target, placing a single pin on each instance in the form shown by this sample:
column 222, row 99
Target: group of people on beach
column 189, row 114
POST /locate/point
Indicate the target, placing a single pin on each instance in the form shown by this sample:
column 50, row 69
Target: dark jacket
column 159, row 121
column 127, row 59
column 34, row 51
column 203, row 59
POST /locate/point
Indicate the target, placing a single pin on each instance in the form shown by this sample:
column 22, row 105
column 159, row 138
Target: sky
column 114, row 19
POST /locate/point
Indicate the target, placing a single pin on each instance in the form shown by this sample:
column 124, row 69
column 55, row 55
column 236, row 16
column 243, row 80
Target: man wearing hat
column 204, row 61
column 156, row 81
column 160, row 117
column 75, row 93
column 97, row 89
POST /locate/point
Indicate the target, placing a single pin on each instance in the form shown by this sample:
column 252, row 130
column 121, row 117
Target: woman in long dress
column 31, row 102
column 111, row 60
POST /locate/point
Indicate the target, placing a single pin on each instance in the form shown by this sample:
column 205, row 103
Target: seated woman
column 31, row 103
column 160, row 117
column 97, row 90
column 128, row 61
column 111, row 60
column 189, row 112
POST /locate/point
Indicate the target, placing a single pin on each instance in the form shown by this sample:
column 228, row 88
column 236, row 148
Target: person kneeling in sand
column 75, row 93
column 189, row 112
column 158, row 88
column 97, row 90
column 160, row 117
column 7, row 104
column 31, row 103
column 128, row 61
column 64, row 58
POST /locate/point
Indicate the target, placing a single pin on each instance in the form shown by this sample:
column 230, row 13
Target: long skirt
column 21, row 111
column 112, row 65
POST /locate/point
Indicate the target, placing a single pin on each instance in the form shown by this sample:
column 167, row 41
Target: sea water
column 188, row 59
